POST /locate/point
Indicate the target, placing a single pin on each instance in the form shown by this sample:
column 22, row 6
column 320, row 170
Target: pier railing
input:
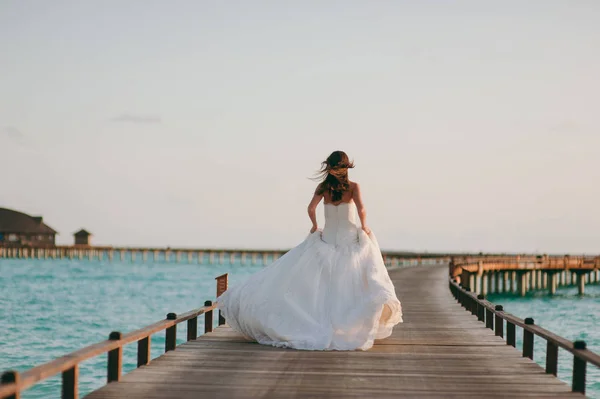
column 13, row 383
column 495, row 317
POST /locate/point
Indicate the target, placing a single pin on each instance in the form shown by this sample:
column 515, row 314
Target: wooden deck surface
column 439, row 351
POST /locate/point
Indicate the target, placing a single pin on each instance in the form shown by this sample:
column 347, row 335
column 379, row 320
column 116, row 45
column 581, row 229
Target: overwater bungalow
column 18, row 229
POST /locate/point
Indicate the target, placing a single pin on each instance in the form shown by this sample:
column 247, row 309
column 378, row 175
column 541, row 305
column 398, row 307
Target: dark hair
column 334, row 175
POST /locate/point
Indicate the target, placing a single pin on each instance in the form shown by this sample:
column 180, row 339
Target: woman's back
column 340, row 224
column 346, row 196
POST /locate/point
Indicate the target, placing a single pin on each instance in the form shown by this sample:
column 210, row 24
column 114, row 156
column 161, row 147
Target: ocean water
column 49, row 308
column 53, row 307
column 566, row 314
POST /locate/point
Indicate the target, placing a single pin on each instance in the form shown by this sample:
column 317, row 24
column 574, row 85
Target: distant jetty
column 201, row 256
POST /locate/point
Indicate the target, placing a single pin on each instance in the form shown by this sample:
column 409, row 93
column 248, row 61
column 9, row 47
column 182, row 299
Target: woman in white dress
column 331, row 292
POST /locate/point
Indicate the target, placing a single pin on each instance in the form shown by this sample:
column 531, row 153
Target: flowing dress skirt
column 317, row 296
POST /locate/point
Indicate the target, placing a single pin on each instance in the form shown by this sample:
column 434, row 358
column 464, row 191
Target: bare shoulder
column 319, row 190
column 354, row 186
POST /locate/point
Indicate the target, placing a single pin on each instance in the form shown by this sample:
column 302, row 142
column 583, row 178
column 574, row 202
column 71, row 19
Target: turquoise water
column 567, row 314
column 52, row 307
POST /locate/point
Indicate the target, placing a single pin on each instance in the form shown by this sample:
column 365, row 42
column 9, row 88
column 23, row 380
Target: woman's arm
column 360, row 206
column 312, row 210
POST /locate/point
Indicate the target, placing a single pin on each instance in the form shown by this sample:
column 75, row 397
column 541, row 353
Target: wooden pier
column 523, row 274
column 450, row 345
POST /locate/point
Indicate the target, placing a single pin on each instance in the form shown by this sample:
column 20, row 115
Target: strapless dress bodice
column 340, row 224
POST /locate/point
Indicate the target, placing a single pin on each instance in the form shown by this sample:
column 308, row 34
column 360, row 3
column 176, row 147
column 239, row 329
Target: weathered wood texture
column 440, row 350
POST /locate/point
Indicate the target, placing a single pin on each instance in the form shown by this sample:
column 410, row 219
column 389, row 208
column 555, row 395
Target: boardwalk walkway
column 439, row 351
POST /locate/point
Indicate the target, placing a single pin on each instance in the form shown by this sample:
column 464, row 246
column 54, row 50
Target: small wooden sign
column 221, row 284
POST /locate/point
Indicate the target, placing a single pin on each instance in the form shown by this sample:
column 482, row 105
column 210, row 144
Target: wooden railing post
column 480, row 308
column 222, row 283
column 489, row 319
column 528, row 339
column 208, row 318
column 11, row 377
column 579, row 366
column 143, row 355
column 551, row 358
column 499, row 322
column 465, row 299
column 192, row 329
column 473, row 305
column 70, row 383
column 115, row 359
column 511, row 334
column 458, row 295
column 171, row 334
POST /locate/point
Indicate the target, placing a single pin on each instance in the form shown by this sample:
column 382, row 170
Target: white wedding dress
column 331, row 292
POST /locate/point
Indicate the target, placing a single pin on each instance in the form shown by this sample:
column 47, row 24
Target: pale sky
column 474, row 125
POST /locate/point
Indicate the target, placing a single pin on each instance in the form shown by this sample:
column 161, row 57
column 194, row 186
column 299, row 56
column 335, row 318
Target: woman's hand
column 313, row 229
column 366, row 229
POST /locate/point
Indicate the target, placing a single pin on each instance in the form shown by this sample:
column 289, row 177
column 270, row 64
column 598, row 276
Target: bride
column 331, row 292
